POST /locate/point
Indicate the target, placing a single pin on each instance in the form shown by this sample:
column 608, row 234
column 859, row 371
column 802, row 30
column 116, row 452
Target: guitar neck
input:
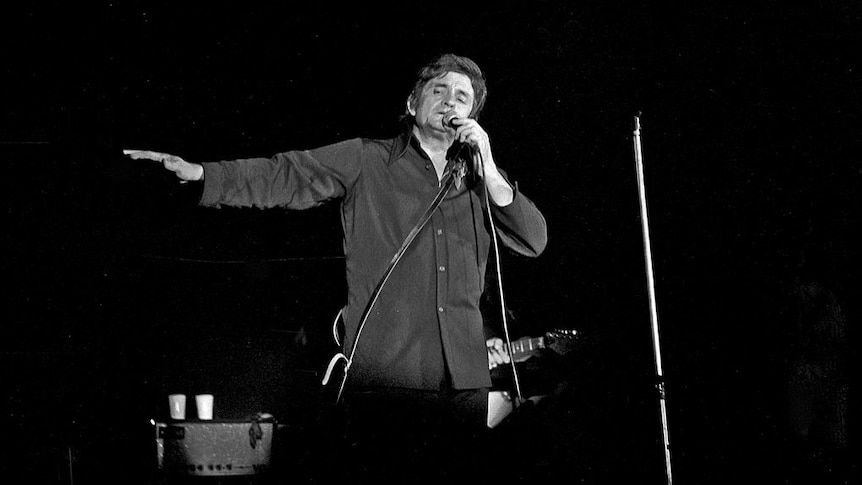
column 526, row 347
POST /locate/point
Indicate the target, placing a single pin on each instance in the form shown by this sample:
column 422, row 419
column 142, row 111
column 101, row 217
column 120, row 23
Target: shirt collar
column 400, row 145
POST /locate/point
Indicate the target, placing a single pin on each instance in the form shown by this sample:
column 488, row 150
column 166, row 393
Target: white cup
column 204, row 403
column 177, row 404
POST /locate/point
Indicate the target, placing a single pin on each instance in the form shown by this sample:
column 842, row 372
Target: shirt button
column 442, row 268
column 440, row 309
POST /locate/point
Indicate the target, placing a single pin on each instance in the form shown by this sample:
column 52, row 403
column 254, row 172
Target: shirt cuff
column 213, row 177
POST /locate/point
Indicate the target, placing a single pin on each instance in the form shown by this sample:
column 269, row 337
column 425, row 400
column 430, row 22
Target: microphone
column 449, row 119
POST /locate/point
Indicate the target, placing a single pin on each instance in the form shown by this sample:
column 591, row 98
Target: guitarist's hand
column 496, row 352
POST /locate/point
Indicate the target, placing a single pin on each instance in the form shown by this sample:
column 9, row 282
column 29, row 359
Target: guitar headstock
column 562, row 341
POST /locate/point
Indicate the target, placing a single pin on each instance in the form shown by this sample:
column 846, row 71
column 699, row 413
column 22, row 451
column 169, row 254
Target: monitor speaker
column 214, row 448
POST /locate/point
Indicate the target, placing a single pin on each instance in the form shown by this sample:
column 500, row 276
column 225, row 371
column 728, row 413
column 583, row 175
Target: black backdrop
column 119, row 291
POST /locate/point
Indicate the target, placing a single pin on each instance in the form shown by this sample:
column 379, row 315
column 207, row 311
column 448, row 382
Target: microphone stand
column 652, row 301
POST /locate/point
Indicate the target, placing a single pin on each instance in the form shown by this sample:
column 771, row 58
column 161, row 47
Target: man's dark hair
column 453, row 63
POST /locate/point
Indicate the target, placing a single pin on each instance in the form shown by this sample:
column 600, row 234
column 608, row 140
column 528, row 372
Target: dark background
column 118, row 290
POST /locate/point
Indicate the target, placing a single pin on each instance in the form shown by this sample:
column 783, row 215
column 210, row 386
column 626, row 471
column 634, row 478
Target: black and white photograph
column 593, row 242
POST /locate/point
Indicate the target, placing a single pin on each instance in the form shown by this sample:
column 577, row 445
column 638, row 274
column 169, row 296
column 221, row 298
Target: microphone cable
column 477, row 154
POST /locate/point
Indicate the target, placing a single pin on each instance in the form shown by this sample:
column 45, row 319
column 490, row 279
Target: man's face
column 441, row 96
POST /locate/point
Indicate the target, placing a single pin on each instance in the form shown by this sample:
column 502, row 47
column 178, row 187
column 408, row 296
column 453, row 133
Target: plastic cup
column 204, row 403
column 177, row 403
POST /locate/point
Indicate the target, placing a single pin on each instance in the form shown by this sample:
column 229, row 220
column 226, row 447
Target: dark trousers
column 412, row 436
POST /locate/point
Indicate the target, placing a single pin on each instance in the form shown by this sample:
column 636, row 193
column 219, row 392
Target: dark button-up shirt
column 425, row 331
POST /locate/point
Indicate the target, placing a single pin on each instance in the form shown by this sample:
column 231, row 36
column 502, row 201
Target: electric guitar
column 558, row 341
column 561, row 342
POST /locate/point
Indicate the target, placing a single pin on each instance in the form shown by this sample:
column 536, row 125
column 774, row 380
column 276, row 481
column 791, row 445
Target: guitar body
column 499, row 406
